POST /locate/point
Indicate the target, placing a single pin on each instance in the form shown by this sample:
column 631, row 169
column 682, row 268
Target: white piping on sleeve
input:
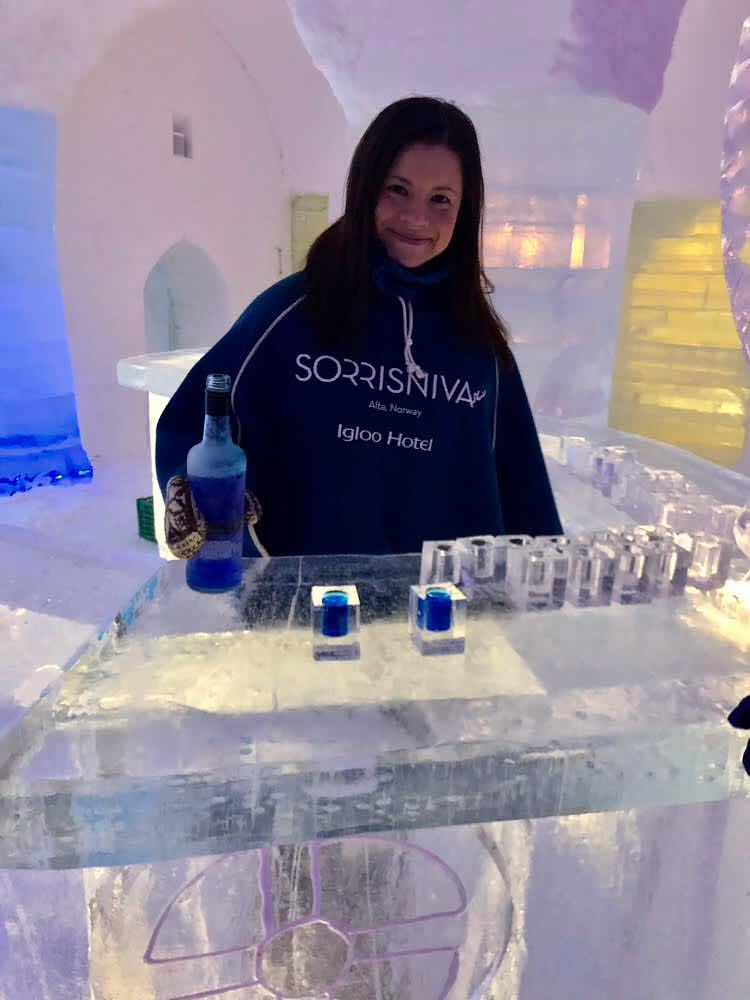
column 251, row 528
column 249, row 357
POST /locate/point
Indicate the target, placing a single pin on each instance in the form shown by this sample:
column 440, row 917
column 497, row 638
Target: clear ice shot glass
column 477, row 558
column 711, row 560
column 539, row 577
column 437, row 619
column 441, row 563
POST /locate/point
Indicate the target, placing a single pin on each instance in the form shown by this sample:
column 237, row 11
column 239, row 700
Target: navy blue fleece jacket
column 409, row 435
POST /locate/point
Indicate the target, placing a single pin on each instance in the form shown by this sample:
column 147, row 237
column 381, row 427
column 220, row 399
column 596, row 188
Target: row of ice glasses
column 658, row 496
column 628, row 566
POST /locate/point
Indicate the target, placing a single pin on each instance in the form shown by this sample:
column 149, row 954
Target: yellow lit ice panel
column 680, row 375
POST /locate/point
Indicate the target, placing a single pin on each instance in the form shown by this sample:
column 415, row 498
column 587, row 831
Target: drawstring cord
column 408, row 315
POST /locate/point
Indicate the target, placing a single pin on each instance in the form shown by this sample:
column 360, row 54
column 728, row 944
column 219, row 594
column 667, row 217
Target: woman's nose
column 415, row 217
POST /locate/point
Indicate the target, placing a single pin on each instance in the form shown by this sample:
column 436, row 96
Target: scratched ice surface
column 204, row 725
column 252, row 823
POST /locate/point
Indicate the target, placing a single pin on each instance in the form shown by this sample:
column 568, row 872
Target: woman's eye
column 441, row 199
column 397, row 189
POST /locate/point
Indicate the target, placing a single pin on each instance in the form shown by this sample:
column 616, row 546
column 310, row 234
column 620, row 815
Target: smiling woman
column 414, row 194
column 374, row 392
column 417, row 211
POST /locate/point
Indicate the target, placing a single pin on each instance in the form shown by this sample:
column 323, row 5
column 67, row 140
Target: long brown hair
column 340, row 262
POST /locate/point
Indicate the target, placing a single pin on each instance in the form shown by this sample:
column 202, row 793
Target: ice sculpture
column 335, row 919
column 39, row 438
column 735, row 201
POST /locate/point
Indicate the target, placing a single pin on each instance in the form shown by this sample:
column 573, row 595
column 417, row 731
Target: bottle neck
column 216, row 429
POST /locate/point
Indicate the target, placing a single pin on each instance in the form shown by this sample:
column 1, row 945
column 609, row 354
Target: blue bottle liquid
column 216, row 473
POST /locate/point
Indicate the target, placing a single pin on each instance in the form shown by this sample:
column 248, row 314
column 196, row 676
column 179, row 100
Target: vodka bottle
column 216, row 473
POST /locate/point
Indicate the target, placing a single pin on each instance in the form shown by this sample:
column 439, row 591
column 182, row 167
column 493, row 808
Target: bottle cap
column 218, row 389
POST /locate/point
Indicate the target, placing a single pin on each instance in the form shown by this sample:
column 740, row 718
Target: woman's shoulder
column 272, row 305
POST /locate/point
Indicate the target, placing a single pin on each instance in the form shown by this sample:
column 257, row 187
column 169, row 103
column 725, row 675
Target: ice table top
column 199, row 725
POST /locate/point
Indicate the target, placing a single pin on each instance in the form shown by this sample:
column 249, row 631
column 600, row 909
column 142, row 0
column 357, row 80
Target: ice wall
column 560, row 172
column 620, row 48
column 39, row 437
column 265, row 127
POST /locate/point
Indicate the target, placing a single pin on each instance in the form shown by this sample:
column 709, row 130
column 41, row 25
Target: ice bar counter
column 319, row 826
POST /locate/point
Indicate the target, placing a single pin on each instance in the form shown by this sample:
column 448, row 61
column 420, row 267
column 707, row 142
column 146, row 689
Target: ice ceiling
column 378, row 51
column 374, row 51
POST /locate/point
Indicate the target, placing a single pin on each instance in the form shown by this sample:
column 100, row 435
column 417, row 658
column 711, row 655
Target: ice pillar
column 39, row 437
column 735, row 203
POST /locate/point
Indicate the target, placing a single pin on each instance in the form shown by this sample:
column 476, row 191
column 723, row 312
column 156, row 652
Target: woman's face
column 417, row 210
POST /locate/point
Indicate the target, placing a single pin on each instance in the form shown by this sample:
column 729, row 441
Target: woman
column 374, row 392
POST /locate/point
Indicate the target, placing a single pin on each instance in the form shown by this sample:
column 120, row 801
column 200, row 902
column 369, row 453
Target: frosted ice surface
column 200, row 726
column 39, row 438
column 207, row 725
column 203, row 724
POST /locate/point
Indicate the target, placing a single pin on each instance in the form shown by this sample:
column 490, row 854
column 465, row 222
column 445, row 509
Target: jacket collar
column 411, row 283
